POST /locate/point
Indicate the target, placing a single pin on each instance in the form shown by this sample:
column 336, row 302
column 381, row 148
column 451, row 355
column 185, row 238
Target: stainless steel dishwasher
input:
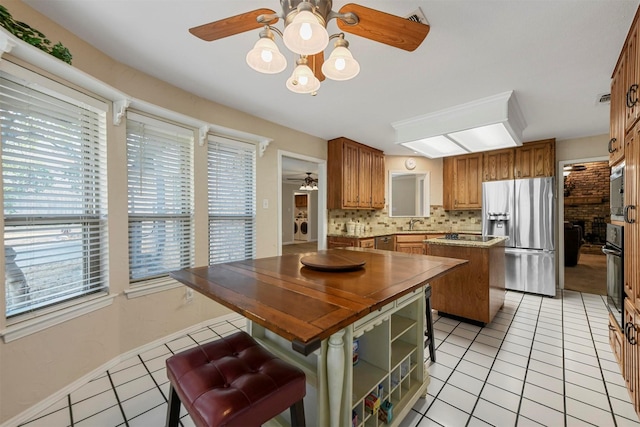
column 386, row 243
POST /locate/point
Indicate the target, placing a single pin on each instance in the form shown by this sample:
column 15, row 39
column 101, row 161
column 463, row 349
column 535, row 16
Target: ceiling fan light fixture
column 305, row 35
column 341, row 65
column 265, row 57
column 303, row 80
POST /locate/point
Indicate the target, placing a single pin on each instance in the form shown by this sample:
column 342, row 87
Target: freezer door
column 530, row 271
column 534, row 206
column 497, row 209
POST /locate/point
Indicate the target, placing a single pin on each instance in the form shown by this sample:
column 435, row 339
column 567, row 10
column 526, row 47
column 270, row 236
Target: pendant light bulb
column 306, row 34
column 303, row 80
column 265, row 57
column 341, row 65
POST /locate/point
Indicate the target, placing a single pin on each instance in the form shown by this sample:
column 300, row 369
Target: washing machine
column 297, row 226
column 303, row 228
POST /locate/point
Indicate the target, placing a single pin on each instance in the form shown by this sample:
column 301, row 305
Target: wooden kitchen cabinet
column 301, row 200
column 498, row 164
column 535, row 159
column 616, row 341
column 334, row 242
column 631, row 225
column 462, row 182
column 631, row 73
column 624, row 126
column 410, row 243
column 477, row 290
column 630, row 351
column 617, row 115
column 356, row 176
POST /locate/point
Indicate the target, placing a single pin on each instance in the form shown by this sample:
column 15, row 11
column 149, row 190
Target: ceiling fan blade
column 315, row 63
column 384, row 28
column 232, row 25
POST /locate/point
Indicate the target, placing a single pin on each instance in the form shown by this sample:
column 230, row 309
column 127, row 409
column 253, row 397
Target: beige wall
column 582, row 148
column 35, row 367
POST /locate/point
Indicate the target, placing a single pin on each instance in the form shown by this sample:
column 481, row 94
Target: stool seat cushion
column 234, row 382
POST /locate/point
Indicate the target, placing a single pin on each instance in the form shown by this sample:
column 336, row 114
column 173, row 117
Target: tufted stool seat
column 233, row 382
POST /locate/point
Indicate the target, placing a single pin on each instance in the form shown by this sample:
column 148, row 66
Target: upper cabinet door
column 632, row 82
column 498, row 164
column 356, row 175
column 617, row 111
column 462, row 179
column 535, row 159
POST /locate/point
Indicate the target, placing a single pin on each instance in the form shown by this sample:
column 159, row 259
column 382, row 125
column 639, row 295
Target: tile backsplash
column 379, row 222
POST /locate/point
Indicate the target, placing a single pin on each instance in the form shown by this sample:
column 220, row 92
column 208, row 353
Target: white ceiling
column 557, row 55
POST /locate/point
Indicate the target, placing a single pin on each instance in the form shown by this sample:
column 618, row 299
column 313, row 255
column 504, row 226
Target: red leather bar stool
column 233, row 382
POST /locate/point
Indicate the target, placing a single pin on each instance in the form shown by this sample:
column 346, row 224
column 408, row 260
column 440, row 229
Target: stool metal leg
column 430, row 341
column 297, row 414
column 173, row 411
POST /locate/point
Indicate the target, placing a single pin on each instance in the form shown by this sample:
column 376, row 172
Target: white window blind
column 232, row 200
column 53, row 177
column 160, row 197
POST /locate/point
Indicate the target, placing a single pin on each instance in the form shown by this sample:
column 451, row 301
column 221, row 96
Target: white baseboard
column 55, row 397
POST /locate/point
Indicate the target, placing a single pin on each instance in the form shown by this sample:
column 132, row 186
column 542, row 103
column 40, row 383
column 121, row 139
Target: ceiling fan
column 305, row 33
column 308, row 182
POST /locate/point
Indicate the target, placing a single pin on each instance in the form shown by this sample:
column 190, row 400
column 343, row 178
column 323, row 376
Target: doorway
column 301, row 203
column 583, row 212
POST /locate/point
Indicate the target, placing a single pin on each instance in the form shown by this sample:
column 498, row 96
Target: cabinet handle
column 611, row 149
column 625, row 215
column 632, row 90
column 632, row 339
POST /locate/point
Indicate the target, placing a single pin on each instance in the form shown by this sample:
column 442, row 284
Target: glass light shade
column 305, row 35
column 340, row 65
column 265, row 57
column 302, row 80
column 302, row 187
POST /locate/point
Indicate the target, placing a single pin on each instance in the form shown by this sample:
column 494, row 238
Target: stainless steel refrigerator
column 524, row 211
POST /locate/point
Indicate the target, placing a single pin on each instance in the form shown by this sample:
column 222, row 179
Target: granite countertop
column 462, row 242
column 393, row 233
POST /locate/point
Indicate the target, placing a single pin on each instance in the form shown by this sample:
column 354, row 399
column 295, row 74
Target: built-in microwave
column 616, row 194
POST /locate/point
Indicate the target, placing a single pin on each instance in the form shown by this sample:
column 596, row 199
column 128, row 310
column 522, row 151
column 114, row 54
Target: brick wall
column 591, row 182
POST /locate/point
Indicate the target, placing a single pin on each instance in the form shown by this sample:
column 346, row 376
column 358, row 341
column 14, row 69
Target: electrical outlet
column 188, row 296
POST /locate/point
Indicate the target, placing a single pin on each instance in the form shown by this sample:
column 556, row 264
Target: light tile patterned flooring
column 542, row 361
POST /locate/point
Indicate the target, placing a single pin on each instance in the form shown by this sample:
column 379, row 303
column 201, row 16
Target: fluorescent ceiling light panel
column 485, row 124
column 484, row 138
column 435, row 147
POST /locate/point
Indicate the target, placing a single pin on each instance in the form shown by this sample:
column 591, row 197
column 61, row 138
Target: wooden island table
column 306, row 314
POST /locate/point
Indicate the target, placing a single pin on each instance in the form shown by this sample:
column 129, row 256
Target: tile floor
column 542, row 361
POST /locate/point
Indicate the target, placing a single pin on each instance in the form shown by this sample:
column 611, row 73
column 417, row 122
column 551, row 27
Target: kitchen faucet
column 411, row 222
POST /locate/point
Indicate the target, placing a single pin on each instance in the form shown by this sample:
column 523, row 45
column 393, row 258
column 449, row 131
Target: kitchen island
column 311, row 317
column 475, row 291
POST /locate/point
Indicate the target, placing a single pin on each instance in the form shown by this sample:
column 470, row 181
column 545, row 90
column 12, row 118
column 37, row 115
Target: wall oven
column 613, row 249
column 616, row 193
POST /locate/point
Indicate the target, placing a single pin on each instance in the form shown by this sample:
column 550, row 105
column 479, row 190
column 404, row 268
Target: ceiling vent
column 418, row 16
column 603, row 98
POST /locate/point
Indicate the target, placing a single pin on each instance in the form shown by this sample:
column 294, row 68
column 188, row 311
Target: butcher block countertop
column 306, row 305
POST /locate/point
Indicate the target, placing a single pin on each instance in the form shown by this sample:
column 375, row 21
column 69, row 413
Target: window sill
column 42, row 322
column 151, row 287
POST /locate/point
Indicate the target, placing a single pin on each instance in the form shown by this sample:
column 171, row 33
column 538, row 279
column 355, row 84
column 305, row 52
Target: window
column 160, row 197
column 232, row 205
column 53, row 177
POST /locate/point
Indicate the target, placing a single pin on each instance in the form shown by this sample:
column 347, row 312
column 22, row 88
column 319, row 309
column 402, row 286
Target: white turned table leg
column 335, row 376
